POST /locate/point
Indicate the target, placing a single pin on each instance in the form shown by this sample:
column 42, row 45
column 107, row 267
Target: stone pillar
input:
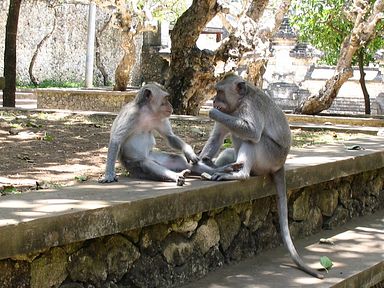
column 90, row 45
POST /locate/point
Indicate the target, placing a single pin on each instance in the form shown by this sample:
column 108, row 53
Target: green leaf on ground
column 326, row 262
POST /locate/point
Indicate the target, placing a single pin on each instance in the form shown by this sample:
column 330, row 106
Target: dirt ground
column 47, row 150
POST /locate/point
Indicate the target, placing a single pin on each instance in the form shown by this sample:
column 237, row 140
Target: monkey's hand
column 181, row 177
column 208, row 161
column 108, row 179
column 214, row 113
column 190, row 155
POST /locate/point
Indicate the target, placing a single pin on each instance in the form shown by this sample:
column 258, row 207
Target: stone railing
column 151, row 234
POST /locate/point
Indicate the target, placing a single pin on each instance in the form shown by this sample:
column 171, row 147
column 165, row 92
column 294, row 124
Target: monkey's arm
column 246, row 128
column 216, row 139
column 120, row 131
column 176, row 143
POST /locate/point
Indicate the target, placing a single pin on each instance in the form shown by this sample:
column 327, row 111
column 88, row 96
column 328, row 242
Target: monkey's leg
column 226, row 157
column 242, row 167
column 154, row 171
column 177, row 162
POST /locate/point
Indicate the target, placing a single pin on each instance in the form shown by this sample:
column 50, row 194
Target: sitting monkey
column 132, row 141
column 261, row 138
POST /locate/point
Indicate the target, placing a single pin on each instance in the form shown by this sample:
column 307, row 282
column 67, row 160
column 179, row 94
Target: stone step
column 357, row 256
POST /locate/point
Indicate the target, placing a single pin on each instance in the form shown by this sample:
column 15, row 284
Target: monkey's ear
column 143, row 97
column 147, row 94
column 241, row 88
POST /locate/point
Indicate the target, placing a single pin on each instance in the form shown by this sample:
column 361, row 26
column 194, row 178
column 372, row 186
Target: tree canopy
column 325, row 24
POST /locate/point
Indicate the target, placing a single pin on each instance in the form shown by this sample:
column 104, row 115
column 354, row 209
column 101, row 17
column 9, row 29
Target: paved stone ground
column 358, row 246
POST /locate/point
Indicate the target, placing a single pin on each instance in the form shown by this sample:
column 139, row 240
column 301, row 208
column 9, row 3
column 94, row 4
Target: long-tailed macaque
column 261, row 141
column 132, row 141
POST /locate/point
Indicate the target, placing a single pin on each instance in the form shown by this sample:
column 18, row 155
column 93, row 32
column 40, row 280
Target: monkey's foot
column 180, row 181
column 108, row 179
column 221, row 177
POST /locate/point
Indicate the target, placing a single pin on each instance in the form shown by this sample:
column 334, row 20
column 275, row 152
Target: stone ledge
column 83, row 99
column 39, row 220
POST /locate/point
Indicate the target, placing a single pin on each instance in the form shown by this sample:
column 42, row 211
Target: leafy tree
column 192, row 70
column 347, row 33
column 9, row 98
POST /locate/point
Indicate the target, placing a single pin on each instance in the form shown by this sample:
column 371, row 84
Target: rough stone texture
column 229, row 225
column 77, row 99
column 63, row 55
column 259, row 212
column 88, row 264
column 121, row 254
column 207, row 235
column 49, row 270
column 187, row 225
column 177, row 249
column 170, row 254
column 328, row 201
column 301, row 207
column 15, row 274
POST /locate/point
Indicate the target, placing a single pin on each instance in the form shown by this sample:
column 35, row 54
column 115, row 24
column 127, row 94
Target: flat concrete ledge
column 43, row 219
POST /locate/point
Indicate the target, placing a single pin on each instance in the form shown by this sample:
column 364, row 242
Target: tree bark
column 99, row 63
column 191, row 69
column 367, row 103
column 127, row 62
column 248, row 45
column 192, row 78
column 9, row 92
column 363, row 31
column 32, row 77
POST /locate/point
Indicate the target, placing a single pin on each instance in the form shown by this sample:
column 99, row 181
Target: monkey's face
column 225, row 100
column 165, row 107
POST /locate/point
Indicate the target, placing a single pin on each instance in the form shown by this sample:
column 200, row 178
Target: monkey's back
column 276, row 124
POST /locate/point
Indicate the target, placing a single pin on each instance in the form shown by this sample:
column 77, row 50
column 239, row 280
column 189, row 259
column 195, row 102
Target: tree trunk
column 127, row 62
column 191, row 69
column 9, row 92
column 367, row 103
column 99, row 63
column 191, row 80
column 248, row 45
column 363, row 31
column 32, row 77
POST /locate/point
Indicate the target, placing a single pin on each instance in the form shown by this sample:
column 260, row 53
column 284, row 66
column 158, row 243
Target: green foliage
column 323, row 24
column 81, row 178
column 51, row 83
column 326, row 262
column 170, row 10
column 9, row 190
column 48, row 137
column 227, row 143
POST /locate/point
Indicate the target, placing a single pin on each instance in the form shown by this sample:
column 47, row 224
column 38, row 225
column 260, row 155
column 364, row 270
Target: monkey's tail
column 279, row 180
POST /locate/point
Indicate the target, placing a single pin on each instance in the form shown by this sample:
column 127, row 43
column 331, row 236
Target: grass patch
column 52, row 84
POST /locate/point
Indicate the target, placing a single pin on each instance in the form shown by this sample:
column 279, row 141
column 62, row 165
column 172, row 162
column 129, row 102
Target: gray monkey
column 261, row 138
column 132, row 141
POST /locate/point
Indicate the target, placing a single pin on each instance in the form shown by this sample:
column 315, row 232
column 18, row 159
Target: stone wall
column 182, row 250
column 62, row 57
column 86, row 100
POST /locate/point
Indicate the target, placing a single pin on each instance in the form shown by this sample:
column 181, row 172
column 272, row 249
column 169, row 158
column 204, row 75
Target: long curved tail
column 279, row 180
